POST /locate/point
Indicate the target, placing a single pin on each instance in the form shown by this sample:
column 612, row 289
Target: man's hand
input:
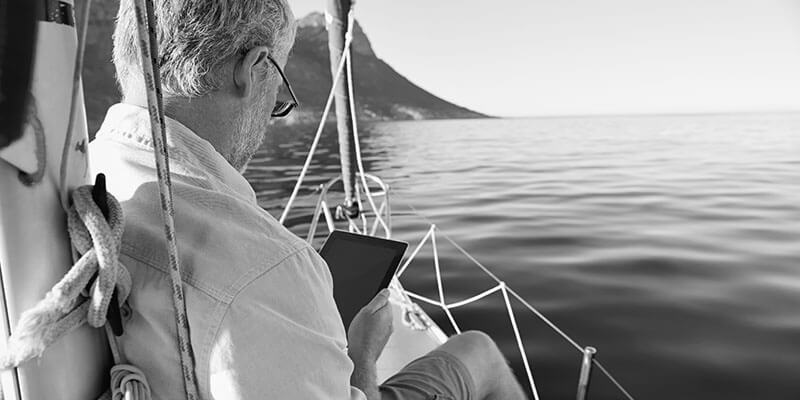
column 370, row 329
column 367, row 336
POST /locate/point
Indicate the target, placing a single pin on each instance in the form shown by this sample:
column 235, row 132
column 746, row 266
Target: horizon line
column 644, row 114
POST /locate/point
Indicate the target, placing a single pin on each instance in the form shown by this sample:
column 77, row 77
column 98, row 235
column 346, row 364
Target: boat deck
column 406, row 343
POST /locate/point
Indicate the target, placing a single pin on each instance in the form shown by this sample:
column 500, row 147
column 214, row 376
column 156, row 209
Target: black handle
column 100, row 197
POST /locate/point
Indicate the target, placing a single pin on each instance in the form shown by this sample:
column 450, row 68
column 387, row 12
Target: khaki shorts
column 437, row 375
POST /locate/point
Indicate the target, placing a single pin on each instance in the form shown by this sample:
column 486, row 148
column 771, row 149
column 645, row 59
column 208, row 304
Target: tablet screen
column 361, row 266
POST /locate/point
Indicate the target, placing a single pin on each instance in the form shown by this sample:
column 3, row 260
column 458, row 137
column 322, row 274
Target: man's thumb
column 380, row 300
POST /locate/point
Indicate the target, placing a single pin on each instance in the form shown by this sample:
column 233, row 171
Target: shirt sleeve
column 282, row 337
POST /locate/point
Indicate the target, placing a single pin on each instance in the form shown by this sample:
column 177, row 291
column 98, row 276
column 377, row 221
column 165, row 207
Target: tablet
column 361, row 266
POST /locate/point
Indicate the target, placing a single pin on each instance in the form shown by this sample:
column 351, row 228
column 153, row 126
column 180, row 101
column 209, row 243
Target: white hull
column 407, row 343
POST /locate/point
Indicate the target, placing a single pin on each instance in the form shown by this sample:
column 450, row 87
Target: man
column 263, row 321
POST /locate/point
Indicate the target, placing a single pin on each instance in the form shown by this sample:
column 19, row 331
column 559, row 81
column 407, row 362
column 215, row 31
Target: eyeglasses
column 283, row 108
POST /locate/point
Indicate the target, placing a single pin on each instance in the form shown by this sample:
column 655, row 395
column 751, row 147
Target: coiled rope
column 127, row 381
column 69, row 305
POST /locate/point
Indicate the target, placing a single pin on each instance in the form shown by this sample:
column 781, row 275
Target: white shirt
column 259, row 299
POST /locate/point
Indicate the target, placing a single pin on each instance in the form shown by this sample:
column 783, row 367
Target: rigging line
column 414, row 253
column 76, row 87
column 356, row 142
column 375, row 223
column 525, row 303
column 320, row 128
column 149, row 58
column 518, row 336
column 493, row 276
column 439, row 283
column 540, row 315
column 611, row 378
column 361, row 215
column 474, row 298
column 424, row 299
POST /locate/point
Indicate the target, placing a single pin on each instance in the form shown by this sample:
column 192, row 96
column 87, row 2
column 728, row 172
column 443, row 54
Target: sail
column 35, row 251
column 17, row 21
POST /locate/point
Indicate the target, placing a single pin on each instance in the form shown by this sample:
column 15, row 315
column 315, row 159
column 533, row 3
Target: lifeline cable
column 523, row 301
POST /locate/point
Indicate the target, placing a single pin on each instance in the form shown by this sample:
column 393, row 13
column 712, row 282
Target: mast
column 337, row 24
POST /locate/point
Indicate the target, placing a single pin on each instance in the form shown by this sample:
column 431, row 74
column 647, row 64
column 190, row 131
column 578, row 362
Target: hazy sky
column 551, row 57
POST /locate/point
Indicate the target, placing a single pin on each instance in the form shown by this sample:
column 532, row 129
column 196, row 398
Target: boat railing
column 382, row 214
column 588, row 361
column 376, row 218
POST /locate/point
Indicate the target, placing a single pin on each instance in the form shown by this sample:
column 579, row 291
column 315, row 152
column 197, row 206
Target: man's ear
column 246, row 71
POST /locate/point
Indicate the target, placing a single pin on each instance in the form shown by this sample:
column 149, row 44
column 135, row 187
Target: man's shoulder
column 223, row 244
column 224, row 241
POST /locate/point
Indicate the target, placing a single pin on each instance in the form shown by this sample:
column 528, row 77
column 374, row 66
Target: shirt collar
column 185, row 148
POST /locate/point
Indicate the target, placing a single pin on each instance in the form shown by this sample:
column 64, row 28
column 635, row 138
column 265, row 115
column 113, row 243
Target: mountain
column 99, row 86
column 381, row 92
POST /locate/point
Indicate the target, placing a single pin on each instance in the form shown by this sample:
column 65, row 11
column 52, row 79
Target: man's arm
column 281, row 337
column 367, row 336
column 365, row 378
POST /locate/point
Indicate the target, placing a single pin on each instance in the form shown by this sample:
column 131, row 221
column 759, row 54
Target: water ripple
column 670, row 243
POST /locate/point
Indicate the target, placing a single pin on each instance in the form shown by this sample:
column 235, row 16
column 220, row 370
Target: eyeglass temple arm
column 285, row 80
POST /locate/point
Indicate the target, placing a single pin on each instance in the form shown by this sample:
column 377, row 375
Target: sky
column 579, row 57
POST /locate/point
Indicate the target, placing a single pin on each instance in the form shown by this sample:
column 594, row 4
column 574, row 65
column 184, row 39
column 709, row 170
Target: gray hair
column 196, row 37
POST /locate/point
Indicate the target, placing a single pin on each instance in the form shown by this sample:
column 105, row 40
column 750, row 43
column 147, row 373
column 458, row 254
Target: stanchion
column 586, row 372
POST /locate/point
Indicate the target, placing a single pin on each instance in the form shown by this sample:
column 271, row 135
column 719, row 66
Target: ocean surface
column 669, row 243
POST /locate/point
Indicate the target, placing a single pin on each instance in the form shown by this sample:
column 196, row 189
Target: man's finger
column 380, row 300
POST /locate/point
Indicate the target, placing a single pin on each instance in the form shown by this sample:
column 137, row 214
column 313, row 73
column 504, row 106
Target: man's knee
column 486, row 364
column 475, row 346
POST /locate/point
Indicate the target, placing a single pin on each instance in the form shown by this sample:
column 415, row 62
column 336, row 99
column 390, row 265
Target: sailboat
column 42, row 164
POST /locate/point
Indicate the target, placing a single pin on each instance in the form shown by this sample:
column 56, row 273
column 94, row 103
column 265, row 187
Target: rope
column 98, row 240
column 348, row 40
column 346, row 60
column 524, row 302
column 73, row 108
column 41, row 147
column 149, row 57
column 65, row 308
column 496, row 279
column 127, row 381
column 611, row 378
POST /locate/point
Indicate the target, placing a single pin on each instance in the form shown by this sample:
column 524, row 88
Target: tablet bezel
column 397, row 246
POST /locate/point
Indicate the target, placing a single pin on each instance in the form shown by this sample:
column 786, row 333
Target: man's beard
column 247, row 139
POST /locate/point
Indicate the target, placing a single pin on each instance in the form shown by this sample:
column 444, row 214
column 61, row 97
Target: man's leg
column 468, row 366
column 493, row 378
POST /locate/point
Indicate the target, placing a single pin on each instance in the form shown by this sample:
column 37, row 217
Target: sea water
column 669, row 243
